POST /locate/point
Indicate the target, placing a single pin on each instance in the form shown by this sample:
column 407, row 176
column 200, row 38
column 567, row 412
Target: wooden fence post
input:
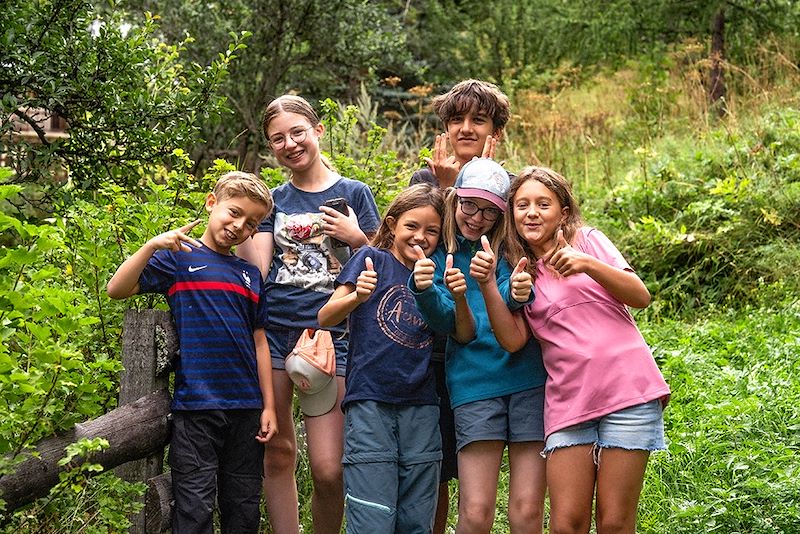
column 149, row 343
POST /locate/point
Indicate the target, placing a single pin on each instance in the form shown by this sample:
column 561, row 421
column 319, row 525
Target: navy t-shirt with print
column 390, row 344
column 217, row 301
column 304, row 263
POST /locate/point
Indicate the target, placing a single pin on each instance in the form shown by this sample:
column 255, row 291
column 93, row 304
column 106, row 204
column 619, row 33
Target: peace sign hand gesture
column 444, row 167
column 176, row 239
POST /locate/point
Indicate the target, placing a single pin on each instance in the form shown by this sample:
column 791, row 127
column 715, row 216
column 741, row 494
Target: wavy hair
column 473, row 95
column 515, row 246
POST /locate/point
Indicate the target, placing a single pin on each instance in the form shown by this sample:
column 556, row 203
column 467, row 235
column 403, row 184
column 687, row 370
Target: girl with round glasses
column 298, row 251
column 497, row 396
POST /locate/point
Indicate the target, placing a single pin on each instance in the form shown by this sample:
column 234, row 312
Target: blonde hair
column 236, row 184
column 292, row 104
column 515, row 246
column 474, row 95
column 416, row 196
column 450, row 226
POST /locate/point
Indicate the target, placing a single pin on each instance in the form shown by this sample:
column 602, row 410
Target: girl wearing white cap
column 497, row 396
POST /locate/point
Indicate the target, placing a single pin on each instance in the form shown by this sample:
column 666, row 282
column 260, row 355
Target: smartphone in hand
column 340, row 205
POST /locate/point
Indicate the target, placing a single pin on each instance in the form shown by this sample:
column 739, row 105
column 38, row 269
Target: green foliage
column 82, row 501
column 519, row 44
column 60, row 344
column 312, row 47
column 356, row 151
column 128, row 98
column 732, row 463
column 720, row 226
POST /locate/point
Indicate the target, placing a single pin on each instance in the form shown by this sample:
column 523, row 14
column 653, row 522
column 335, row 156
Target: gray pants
column 391, row 467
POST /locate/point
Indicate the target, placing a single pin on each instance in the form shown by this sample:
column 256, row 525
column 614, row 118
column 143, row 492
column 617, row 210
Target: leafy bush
column 60, row 334
column 720, row 226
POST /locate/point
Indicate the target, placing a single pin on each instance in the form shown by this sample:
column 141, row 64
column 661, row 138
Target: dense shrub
column 718, row 224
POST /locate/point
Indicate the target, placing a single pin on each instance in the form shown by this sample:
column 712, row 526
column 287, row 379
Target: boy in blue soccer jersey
column 223, row 407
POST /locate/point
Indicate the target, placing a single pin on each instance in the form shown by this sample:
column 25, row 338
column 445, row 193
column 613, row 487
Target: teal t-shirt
column 480, row 369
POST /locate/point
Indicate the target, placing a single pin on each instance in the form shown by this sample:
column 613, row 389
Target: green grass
column 733, row 427
column 733, row 424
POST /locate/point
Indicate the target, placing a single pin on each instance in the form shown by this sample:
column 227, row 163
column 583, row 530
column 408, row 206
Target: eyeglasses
column 298, row 136
column 470, row 208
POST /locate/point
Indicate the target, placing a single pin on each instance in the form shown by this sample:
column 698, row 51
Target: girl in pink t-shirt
column 604, row 392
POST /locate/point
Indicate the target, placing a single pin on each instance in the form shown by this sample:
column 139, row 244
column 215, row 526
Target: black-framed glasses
column 468, row 207
column 298, row 135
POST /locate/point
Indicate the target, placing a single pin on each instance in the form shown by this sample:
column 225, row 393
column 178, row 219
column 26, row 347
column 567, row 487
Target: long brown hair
column 416, row 196
column 291, row 104
column 515, row 246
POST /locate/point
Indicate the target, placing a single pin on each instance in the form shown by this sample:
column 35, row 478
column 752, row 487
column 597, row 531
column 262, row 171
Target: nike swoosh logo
column 193, row 269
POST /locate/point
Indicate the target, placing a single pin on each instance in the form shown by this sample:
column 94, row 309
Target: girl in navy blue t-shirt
column 392, row 444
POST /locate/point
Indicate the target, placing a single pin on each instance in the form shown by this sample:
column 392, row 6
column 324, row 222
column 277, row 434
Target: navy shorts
column 282, row 341
column 511, row 418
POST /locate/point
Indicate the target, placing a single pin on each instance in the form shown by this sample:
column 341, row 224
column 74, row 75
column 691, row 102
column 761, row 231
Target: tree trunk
column 133, row 431
column 716, row 81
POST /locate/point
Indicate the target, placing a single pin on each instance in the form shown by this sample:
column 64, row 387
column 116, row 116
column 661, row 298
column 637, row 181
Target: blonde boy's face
column 231, row 221
column 467, row 133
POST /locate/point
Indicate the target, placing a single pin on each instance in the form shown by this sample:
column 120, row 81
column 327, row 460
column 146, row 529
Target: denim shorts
column 282, row 341
column 511, row 418
column 639, row 427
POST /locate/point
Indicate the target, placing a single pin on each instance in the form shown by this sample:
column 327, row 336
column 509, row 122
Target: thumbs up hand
column 366, row 281
column 483, row 264
column 567, row 260
column 521, row 281
column 454, row 279
column 423, row 270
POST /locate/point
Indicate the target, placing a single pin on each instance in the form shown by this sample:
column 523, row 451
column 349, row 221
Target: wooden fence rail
column 137, row 431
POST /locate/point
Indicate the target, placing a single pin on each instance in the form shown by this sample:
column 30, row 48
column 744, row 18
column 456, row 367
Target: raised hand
column 454, row 279
column 483, row 264
column 567, row 260
column 366, row 281
column 176, row 239
column 423, row 270
column 489, row 147
column 521, row 281
column 444, row 167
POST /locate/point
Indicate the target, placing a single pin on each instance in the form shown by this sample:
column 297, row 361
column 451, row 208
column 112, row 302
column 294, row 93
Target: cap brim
column 466, row 192
column 321, row 402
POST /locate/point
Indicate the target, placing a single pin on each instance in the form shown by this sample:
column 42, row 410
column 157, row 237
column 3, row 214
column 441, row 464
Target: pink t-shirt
column 596, row 359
